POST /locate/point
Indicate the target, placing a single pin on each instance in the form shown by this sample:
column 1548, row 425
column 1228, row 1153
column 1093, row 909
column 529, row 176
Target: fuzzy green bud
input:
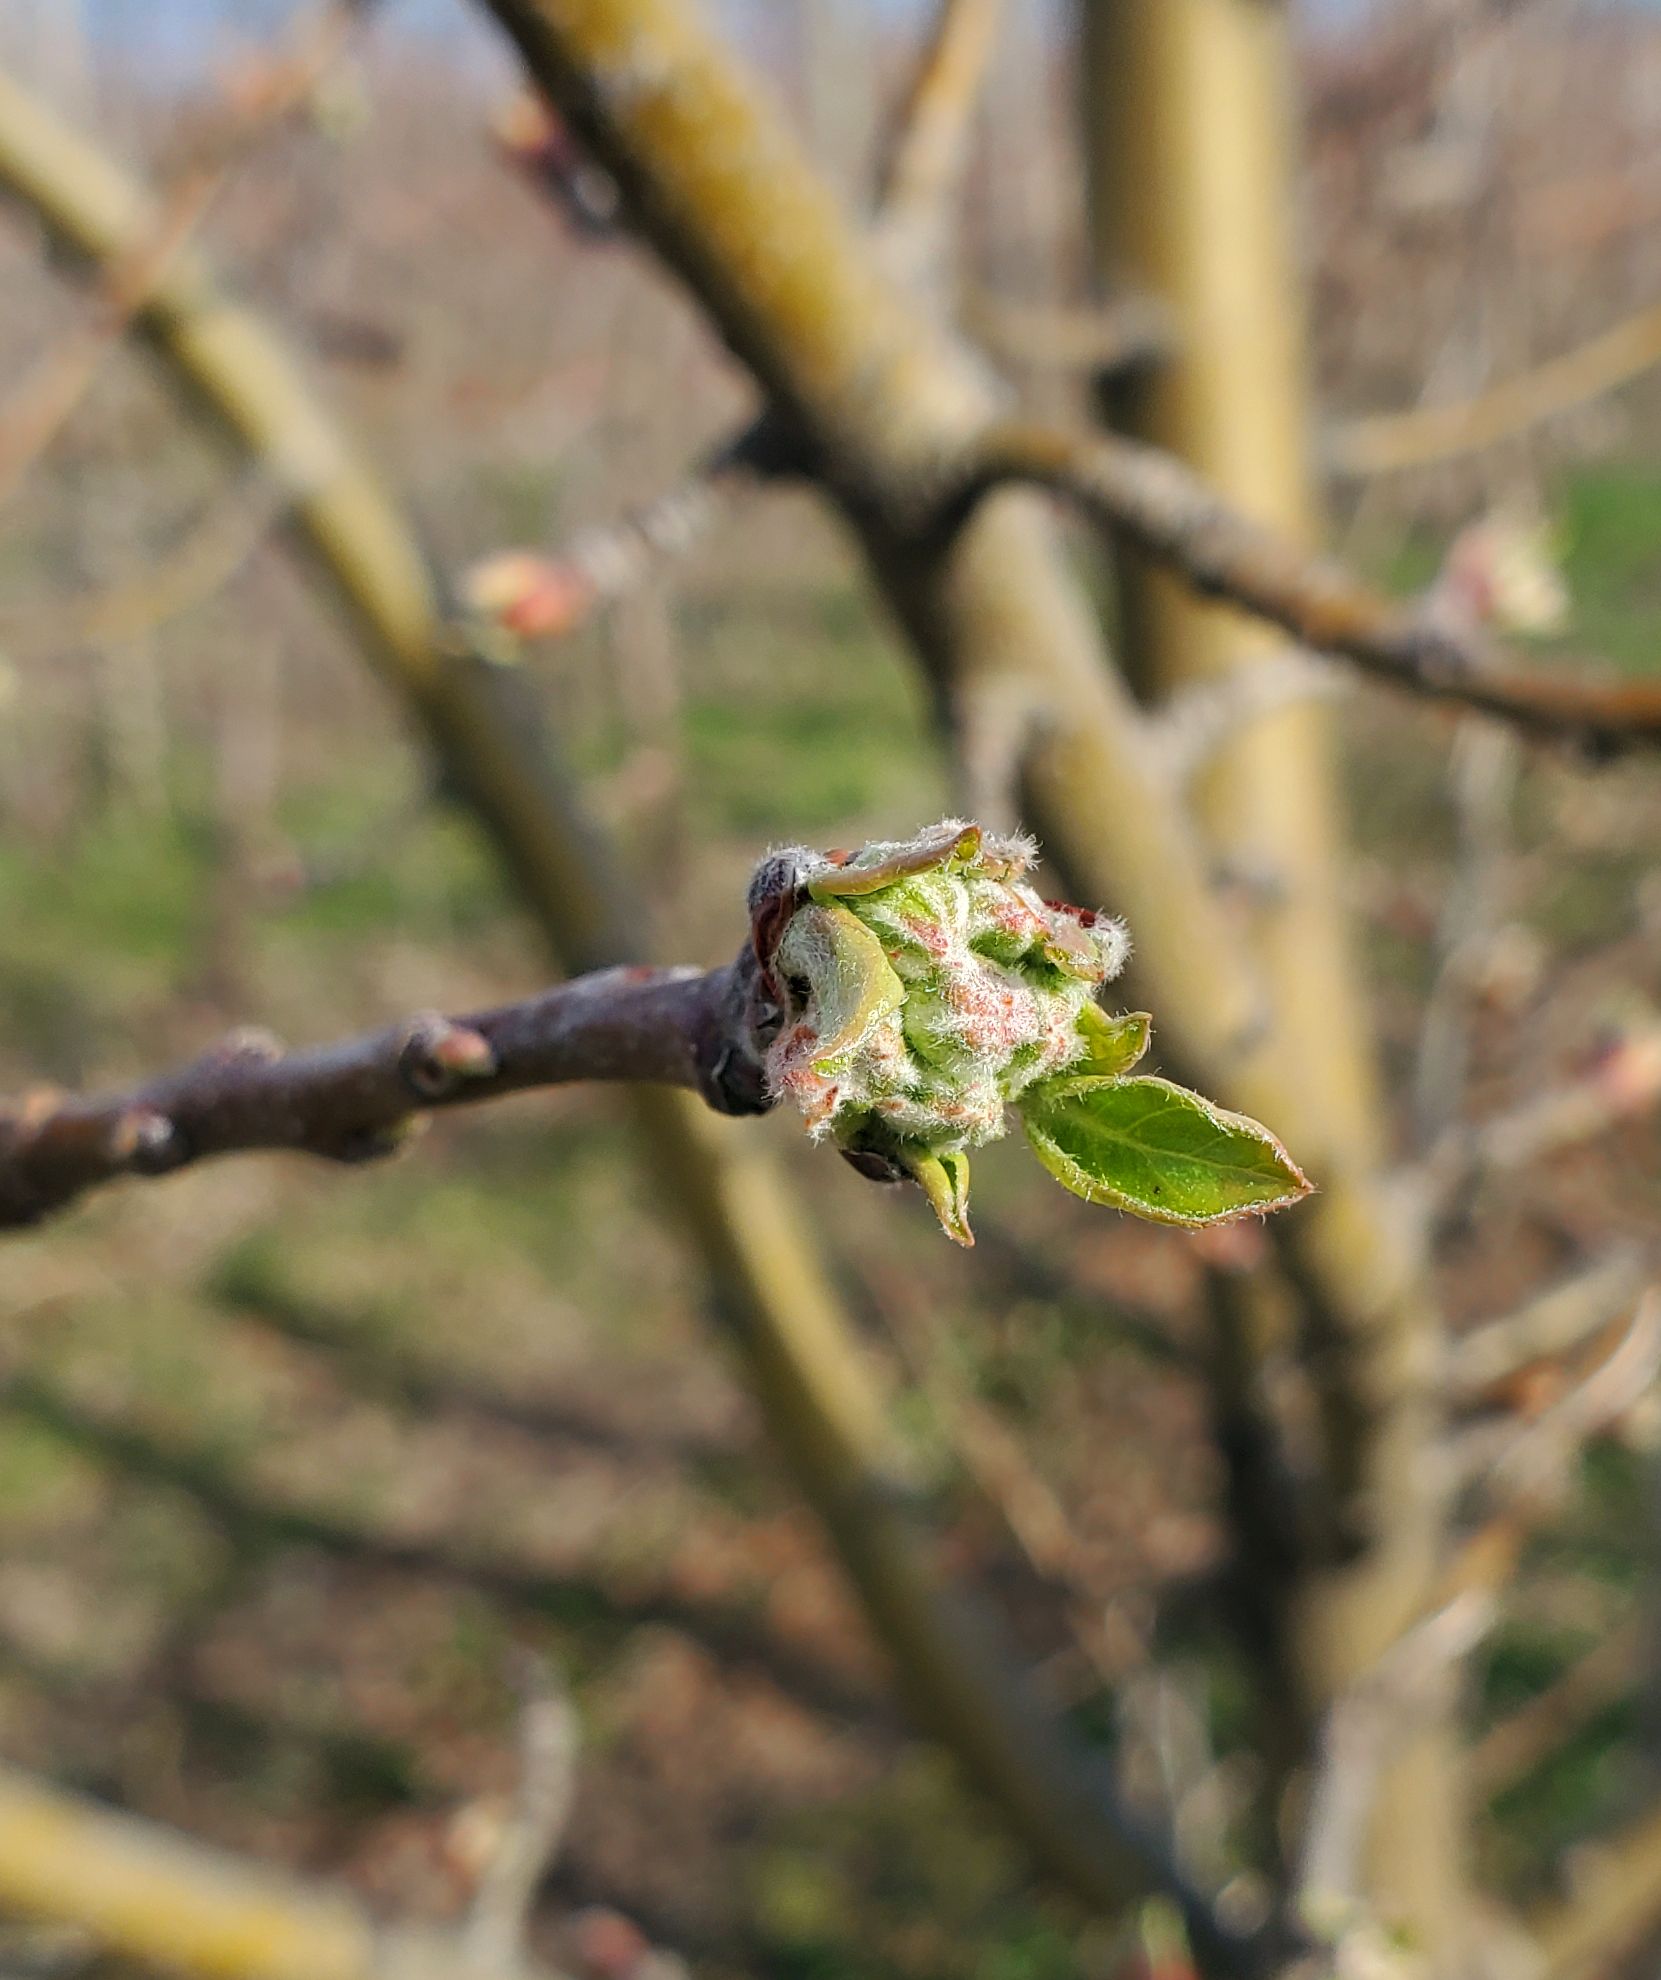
column 923, row 988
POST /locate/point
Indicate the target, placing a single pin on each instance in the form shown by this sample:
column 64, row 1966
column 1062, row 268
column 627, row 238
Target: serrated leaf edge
column 1073, row 1176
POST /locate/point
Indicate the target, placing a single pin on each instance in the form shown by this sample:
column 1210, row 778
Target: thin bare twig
column 1115, row 336
column 493, row 1940
column 1029, row 1506
column 1518, row 1744
column 1388, row 442
column 38, row 409
column 1553, row 1323
column 536, row 594
column 542, row 595
column 1482, row 777
column 205, row 557
column 1624, row 1083
column 1531, row 1471
column 1522, row 1475
column 1175, row 517
column 1363, row 1731
column 924, row 171
column 352, row 1101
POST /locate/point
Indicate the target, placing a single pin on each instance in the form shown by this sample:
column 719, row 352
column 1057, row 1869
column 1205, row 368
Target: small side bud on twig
column 534, row 597
column 38, row 1104
column 440, row 1056
column 251, row 1041
column 921, row 988
column 1503, row 570
column 146, row 1141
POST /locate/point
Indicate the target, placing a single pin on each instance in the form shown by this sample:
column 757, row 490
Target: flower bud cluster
column 924, row 986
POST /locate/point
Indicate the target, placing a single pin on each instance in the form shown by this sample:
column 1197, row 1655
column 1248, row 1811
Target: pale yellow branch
column 150, row 1894
column 1388, row 442
column 930, row 155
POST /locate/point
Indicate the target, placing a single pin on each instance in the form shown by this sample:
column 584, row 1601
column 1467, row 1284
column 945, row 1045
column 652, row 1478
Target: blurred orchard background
column 294, row 1462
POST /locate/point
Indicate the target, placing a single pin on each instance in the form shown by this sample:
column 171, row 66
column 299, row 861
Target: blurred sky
column 169, row 33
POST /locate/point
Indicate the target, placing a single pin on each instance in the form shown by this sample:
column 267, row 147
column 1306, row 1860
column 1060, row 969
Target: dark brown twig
column 351, row 1101
column 1151, row 498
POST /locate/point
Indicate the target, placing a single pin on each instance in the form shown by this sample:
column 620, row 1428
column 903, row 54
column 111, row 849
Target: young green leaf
column 853, row 986
column 949, row 844
column 945, row 1182
column 1157, row 1150
column 1115, row 1043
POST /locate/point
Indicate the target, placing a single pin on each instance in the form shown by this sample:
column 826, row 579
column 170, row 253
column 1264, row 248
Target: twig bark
column 1170, row 513
column 352, row 1101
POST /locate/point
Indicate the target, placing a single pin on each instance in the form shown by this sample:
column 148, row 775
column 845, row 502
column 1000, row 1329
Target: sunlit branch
column 924, row 172
column 155, row 1896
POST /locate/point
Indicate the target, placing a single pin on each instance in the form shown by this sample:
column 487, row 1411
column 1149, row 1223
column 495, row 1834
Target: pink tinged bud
column 439, row 1056
column 141, row 1139
column 535, row 597
column 925, row 987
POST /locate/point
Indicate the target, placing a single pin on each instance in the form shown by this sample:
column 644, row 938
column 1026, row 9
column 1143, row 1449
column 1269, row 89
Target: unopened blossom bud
column 925, row 987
